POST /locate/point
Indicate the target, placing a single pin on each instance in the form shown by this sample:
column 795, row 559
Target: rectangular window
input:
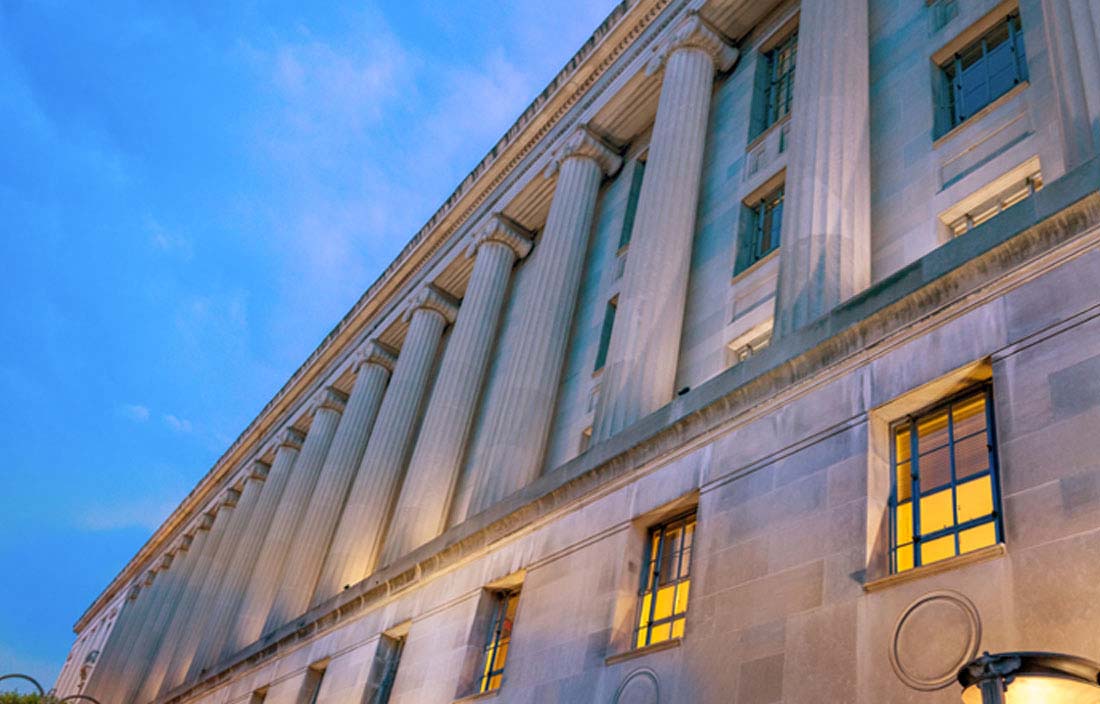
column 499, row 637
column 632, row 203
column 312, row 686
column 258, row 697
column 984, row 70
column 605, row 333
column 945, row 495
column 1001, row 201
column 666, row 581
column 384, row 670
column 764, row 225
column 779, row 81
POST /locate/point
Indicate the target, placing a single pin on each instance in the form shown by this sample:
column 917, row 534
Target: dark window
column 387, row 658
column 605, row 333
column 945, row 495
column 312, row 686
column 763, row 227
column 984, row 70
column 666, row 581
column 778, row 81
column 632, row 203
column 500, row 637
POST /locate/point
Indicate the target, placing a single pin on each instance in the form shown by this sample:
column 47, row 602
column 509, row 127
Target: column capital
column 585, row 144
column 135, row 589
column 206, row 520
column 149, row 577
column 329, row 398
column 289, row 437
column 232, row 496
column 258, row 470
column 503, row 229
column 184, row 544
column 694, row 32
column 374, row 352
column 166, row 561
column 431, row 298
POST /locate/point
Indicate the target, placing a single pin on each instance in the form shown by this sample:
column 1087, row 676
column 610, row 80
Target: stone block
column 761, row 681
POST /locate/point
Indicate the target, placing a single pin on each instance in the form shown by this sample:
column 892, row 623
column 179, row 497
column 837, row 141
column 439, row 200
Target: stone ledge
column 990, row 553
column 642, row 652
column 478, row 697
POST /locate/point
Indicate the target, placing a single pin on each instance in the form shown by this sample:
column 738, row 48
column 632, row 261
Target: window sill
column 763, row 136
column 640, row 652
column 480, row 696
column 755, row 265
column 976, row 117
column 990, row 553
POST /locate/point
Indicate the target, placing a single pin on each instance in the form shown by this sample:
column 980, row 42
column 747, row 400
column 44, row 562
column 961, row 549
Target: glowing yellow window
column 945, row 496
column 499, row 638
column 666, row 581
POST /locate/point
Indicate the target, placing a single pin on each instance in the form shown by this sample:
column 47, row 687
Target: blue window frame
column 499, row 639
column 984, row 70
column 605, row 333
column 762, row 231
column 945, row 499
column 779, row 80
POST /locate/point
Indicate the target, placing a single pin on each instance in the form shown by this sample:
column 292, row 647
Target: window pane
column 968, row 415
column 901, row 444
column 932, row 432
column 904, row 482
column 678, row 628
column 936, row 550
column 660, row 633
column 934, row 469
column 975, row 499
column 663, row 609
column 936, row 512
column 977, row 538
column 903, row 558
column 682, row 591
column 971, row 456
column 904, row 523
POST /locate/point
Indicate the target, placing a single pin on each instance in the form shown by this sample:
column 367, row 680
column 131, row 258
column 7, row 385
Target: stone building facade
column 758, row 362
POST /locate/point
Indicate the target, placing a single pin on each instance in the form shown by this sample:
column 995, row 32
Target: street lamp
column 1030, row 678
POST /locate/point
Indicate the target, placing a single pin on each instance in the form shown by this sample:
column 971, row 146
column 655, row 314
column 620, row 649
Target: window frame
column 495, row 639
column 767, row 207
column 951, row 71
column 607, row 327
column 650, row 584
column 917, row 493
column 772, row 102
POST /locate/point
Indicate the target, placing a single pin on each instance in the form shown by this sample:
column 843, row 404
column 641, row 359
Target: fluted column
column 185, row 604
column 825, row 255
column 144, row 644
column 1086, row 32
column 112, row 656
column 359, row 535
column 645, row 343
column 199, row 627
column 520, row 409
column 434, row 468
column 247, row 567
column 1067, row 58
column 307, row 554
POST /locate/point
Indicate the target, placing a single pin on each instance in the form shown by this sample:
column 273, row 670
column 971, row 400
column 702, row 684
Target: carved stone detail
column 431, row 298
column 504, row 230
column 585, row 144
column 291, row 438
column 330, row 398
column 259, row 470
column 374, row 352
column 935, row 636
column 696, row 33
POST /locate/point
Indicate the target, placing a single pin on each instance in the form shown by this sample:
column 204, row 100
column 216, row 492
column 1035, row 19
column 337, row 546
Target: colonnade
column 375, row 474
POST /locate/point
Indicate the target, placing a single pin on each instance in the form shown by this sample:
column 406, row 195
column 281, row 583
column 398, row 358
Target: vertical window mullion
column 655, row 585
column 914, row 491
column 954, row 478
column 994, row 473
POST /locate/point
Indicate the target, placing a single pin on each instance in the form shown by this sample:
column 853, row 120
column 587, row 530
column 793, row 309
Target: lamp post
column 44, row 697
column 1030, row 678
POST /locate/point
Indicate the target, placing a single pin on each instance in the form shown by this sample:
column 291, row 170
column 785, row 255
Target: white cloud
column 135, row 412
column 180, row 425
column 169, row 242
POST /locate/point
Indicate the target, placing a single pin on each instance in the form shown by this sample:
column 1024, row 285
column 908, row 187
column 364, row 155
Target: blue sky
column 192, row 194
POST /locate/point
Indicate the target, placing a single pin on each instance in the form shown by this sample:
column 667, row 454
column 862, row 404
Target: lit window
column 779, row 81
column 666, row 581
column 764, row 226
column 1002, row 201
column 984, row 70
column 500, row 636
column 945, row 497
column 605, row 333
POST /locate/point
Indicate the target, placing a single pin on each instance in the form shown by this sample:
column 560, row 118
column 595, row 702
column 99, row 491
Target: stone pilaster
column 184, row 611
column 359, row 534
column 825, row 255
column 248, row 569
column 114, row 654
column 520, row 409
column 1070, row 47
column 640, row 373
column 373, row 365
column 433, row 473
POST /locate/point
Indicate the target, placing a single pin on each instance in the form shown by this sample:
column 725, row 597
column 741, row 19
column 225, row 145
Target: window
column 983, row 71
column 778, row 81
column 258, row 696
column 665, row 581
column 945, row 496
column 632, row 203
column 763, row 227
column 1001, row 201
column 312, row 686
column 387, row 658
column 500, row 636
column 605, row 333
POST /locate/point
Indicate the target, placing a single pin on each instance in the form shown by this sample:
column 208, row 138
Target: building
column 758, row 362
